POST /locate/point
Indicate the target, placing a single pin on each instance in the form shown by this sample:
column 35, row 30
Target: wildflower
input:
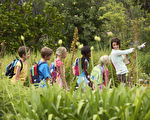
column 97, row 38
column 74, row 3
column 22, row 37
column 77, row 43
column 141, row 80
column 110, row 34
column 24, row 3
column 81, row 46
column 92, row 48
column 60, row 42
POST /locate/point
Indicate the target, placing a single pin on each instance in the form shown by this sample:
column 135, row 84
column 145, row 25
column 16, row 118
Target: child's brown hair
column 46, row 52
column 22, row 50
column 117, row 40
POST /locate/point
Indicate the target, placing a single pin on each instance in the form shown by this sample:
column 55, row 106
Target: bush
column 37, row 30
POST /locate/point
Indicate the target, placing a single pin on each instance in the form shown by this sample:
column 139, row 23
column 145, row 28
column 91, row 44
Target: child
column 61, row 53
column 24, row 54
column 100, row 74
column 118, row 60
column 84, row 77
column 43, row 69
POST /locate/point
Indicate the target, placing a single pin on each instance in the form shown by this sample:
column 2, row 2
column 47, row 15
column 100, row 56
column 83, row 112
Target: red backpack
column 34, row 73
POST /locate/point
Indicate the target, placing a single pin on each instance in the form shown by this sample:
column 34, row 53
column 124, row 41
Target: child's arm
column 123, row 52
column 62, row 75
column 17, row 73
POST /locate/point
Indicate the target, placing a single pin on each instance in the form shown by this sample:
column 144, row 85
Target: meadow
column 19, row 102
column 39, row 23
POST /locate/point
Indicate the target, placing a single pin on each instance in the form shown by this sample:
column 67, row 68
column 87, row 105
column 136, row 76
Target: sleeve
column 18, row 64
column 46, row 71
column 123, row 52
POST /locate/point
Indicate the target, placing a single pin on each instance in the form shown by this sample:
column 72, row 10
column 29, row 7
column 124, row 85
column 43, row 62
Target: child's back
column 100, row 72
column 20, row 69
column 84, row 77
column 61, row 53
column 43, row 68
column 44, row 73
column 23, row 72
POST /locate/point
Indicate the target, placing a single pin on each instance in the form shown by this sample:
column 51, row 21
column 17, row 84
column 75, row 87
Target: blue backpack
column 53, row 71
column 9, row 71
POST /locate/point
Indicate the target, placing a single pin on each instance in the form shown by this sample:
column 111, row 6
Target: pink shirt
column 105, row 77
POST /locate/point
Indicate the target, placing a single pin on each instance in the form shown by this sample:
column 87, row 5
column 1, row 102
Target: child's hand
column 141, row 46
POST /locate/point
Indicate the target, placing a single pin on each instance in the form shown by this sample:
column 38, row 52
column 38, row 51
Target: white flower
column 92, row 48
column 60, row 42
column 97, row 38
column 110, row 34
column 141, row 80
column 81, row 46
column 22, row 37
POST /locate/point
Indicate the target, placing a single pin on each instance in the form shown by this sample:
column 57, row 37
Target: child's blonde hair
column 103, row 60
column 60, row 51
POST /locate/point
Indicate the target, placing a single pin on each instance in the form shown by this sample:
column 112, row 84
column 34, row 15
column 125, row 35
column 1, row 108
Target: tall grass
column 19, row 102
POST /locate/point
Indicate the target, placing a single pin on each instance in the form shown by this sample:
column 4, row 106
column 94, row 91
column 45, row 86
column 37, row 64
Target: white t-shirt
column 117, row 60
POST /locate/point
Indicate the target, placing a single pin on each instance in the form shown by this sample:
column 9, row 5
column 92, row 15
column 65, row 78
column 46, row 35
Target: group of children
column 99, row 76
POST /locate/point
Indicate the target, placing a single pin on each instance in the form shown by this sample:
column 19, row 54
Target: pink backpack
column 77, row 67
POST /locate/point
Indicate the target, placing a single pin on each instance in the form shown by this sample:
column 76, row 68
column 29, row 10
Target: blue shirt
column 82, row 76
column 43, row 70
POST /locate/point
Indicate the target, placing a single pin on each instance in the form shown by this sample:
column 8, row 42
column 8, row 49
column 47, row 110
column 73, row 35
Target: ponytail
column 82, row 61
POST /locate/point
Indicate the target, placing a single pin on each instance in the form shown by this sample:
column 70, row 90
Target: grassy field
column 19, row 102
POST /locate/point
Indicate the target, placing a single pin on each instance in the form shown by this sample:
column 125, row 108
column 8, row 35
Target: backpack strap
column 21, row 64
column 15, row 62
column 39, row 64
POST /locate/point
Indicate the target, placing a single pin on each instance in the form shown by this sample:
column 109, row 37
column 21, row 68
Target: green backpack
column 97, row 74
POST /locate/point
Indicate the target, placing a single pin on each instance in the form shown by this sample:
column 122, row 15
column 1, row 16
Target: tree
column 38, row 30
column 82, row 14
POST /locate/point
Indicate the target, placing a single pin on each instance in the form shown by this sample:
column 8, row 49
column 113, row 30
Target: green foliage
column 21, row 102
column 38, row 31
column 82, row 14
column 144, row 62
column 55, row 103
column 119, row 18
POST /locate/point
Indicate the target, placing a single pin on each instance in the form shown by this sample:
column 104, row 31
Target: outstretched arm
column 123, row 52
